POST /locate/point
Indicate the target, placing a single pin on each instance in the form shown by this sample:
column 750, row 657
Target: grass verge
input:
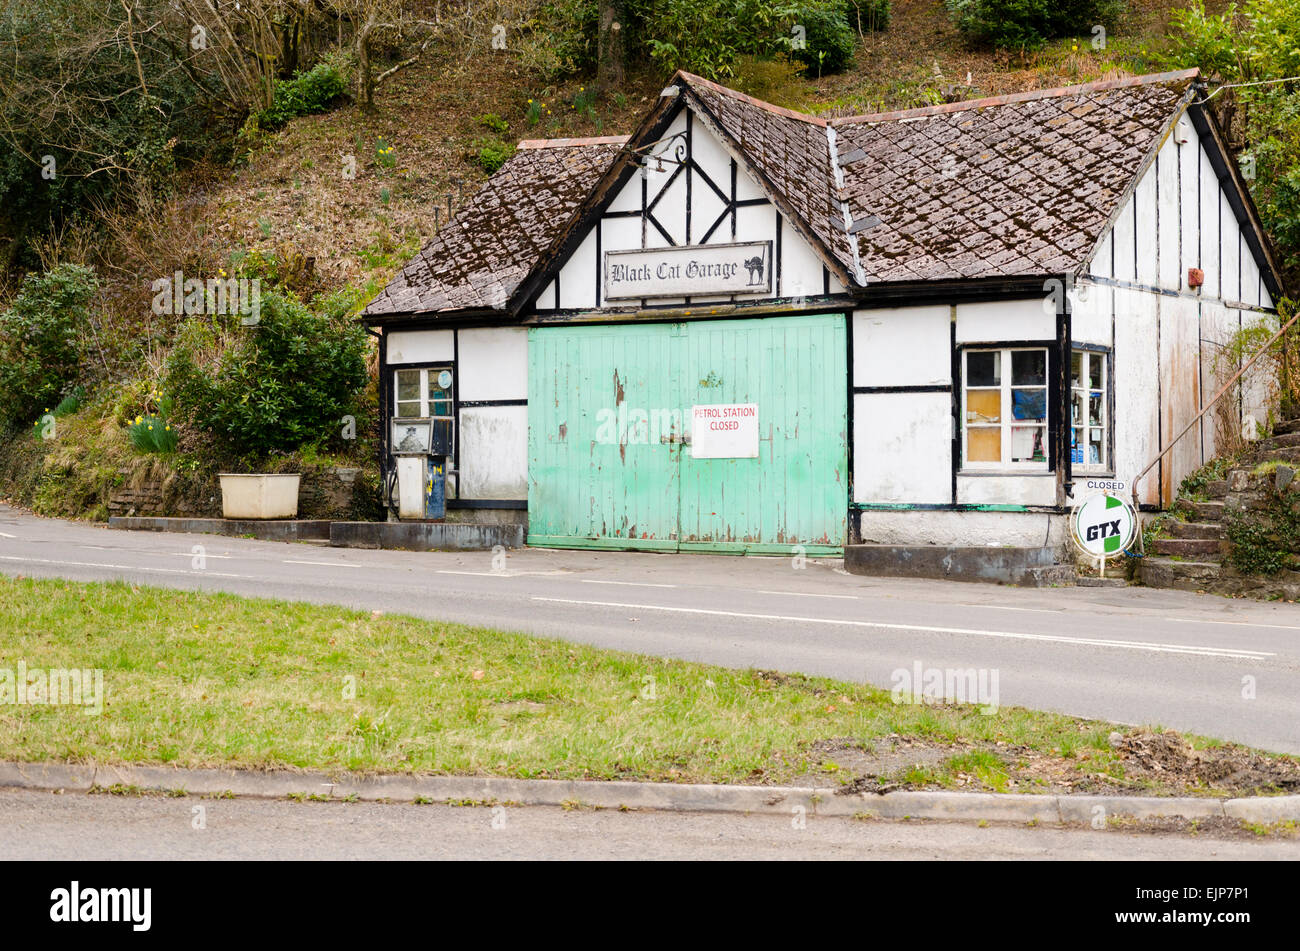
column 203, row 679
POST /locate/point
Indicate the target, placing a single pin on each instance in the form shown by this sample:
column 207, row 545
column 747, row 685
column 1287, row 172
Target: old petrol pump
column 419, row 448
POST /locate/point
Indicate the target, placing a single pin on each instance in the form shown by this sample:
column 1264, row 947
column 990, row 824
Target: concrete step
column 1201, row 549
column 1052, row 576
column 1193, row 529
column 1116, row 580
column 1164, row 572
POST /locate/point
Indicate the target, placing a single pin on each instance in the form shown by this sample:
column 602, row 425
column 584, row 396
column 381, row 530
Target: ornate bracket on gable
column 678, row 157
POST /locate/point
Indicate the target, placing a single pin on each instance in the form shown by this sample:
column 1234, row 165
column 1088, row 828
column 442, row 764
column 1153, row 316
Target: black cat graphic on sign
column 755, row 267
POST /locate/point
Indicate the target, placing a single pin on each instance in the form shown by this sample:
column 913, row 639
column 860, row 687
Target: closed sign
column 724, row 431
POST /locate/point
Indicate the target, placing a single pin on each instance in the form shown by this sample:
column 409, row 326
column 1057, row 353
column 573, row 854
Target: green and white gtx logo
column 1104, row 525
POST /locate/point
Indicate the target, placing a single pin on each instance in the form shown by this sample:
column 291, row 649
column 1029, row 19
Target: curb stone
column 675, row 797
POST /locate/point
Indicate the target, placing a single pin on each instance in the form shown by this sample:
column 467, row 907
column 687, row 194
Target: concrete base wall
column 425, row 536
column 488, row 517
column 1006, row 565
column 276, row 530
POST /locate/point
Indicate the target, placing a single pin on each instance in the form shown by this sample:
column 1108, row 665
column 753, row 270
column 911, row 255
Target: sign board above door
column 690, row 271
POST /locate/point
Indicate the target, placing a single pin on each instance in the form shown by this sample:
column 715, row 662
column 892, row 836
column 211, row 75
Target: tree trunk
column 609, row 46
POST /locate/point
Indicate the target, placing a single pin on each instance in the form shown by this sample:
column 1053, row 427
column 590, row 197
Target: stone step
column 1158, row 572
column 1280, row 442
column 1200, row 549
column 1202, row 511
column 1216, row 489
column 1193, row 529
column 1287, row 426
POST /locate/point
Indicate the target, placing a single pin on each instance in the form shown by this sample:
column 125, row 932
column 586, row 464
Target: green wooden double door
column 610, row 461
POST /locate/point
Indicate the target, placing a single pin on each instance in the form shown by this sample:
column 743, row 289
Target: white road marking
column 634, row 584
column 146, row 551
column 1224, row 652
column 806, row 594
column 1190, row 620
column 496, row 574
column 98, row 564
column 330, row 564
column 1007, row 607
column 7, row 535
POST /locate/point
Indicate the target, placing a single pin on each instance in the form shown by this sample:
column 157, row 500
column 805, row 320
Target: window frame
column 1006, row 420
column 425, row 371
column 1104, row 356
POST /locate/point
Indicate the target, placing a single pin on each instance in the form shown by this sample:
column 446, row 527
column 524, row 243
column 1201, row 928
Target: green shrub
column 1028, row 24
column 286, row 383
column 493, row 123
column 305, row 94
column 39, row 352
column 492, row 154
column 828, row 37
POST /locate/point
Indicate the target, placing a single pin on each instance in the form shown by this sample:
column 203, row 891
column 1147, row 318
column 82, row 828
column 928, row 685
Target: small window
column 1088, row 423
column 427, row 393
column 1005, row 413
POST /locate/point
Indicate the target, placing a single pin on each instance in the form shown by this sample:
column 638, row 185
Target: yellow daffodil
column 137, row 420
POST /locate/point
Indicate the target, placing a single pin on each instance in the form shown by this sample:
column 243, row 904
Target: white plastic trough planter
column 259, row 495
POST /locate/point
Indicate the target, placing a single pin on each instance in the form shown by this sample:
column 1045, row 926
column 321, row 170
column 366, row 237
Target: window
column 1088, row 410
column 426, row 393
column 1004, row 408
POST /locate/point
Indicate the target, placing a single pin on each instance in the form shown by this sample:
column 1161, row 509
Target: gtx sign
column 1104, row 525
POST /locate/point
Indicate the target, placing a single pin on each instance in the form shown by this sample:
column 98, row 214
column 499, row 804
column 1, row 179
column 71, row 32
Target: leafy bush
column 39, row 353
column 493, row 123
column 285, row 383
column 828, row 39
column 1028, row 24
column 306, row 93
column 492, row 154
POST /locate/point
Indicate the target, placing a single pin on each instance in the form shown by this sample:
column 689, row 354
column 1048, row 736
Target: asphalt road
column 40, row 825
column 1200, row 663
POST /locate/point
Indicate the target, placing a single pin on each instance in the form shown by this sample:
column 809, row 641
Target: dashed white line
column 634, row 584
column 1223, row 652
column 1190, row 620
column 99, row 564
column 807, row 594
column 328, row 564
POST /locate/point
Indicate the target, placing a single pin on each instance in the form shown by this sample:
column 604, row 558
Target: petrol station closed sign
column 724, row 431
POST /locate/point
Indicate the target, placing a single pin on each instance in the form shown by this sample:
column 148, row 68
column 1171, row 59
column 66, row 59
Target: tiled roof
column 1014, row 185
column 1020, row 185
column 480, row 257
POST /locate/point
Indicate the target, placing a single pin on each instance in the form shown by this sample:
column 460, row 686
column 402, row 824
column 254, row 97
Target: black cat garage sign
column 691, row 271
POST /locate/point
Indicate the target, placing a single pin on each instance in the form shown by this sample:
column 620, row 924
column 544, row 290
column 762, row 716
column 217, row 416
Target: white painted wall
column 996, row 321
column 421, row 346
column 1179, row 218
column 493, row 363
column 902, row 346
column 1035, row 489
column 1022, row 529
column 902, row 447
column 801, row 272
column 493, row 452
